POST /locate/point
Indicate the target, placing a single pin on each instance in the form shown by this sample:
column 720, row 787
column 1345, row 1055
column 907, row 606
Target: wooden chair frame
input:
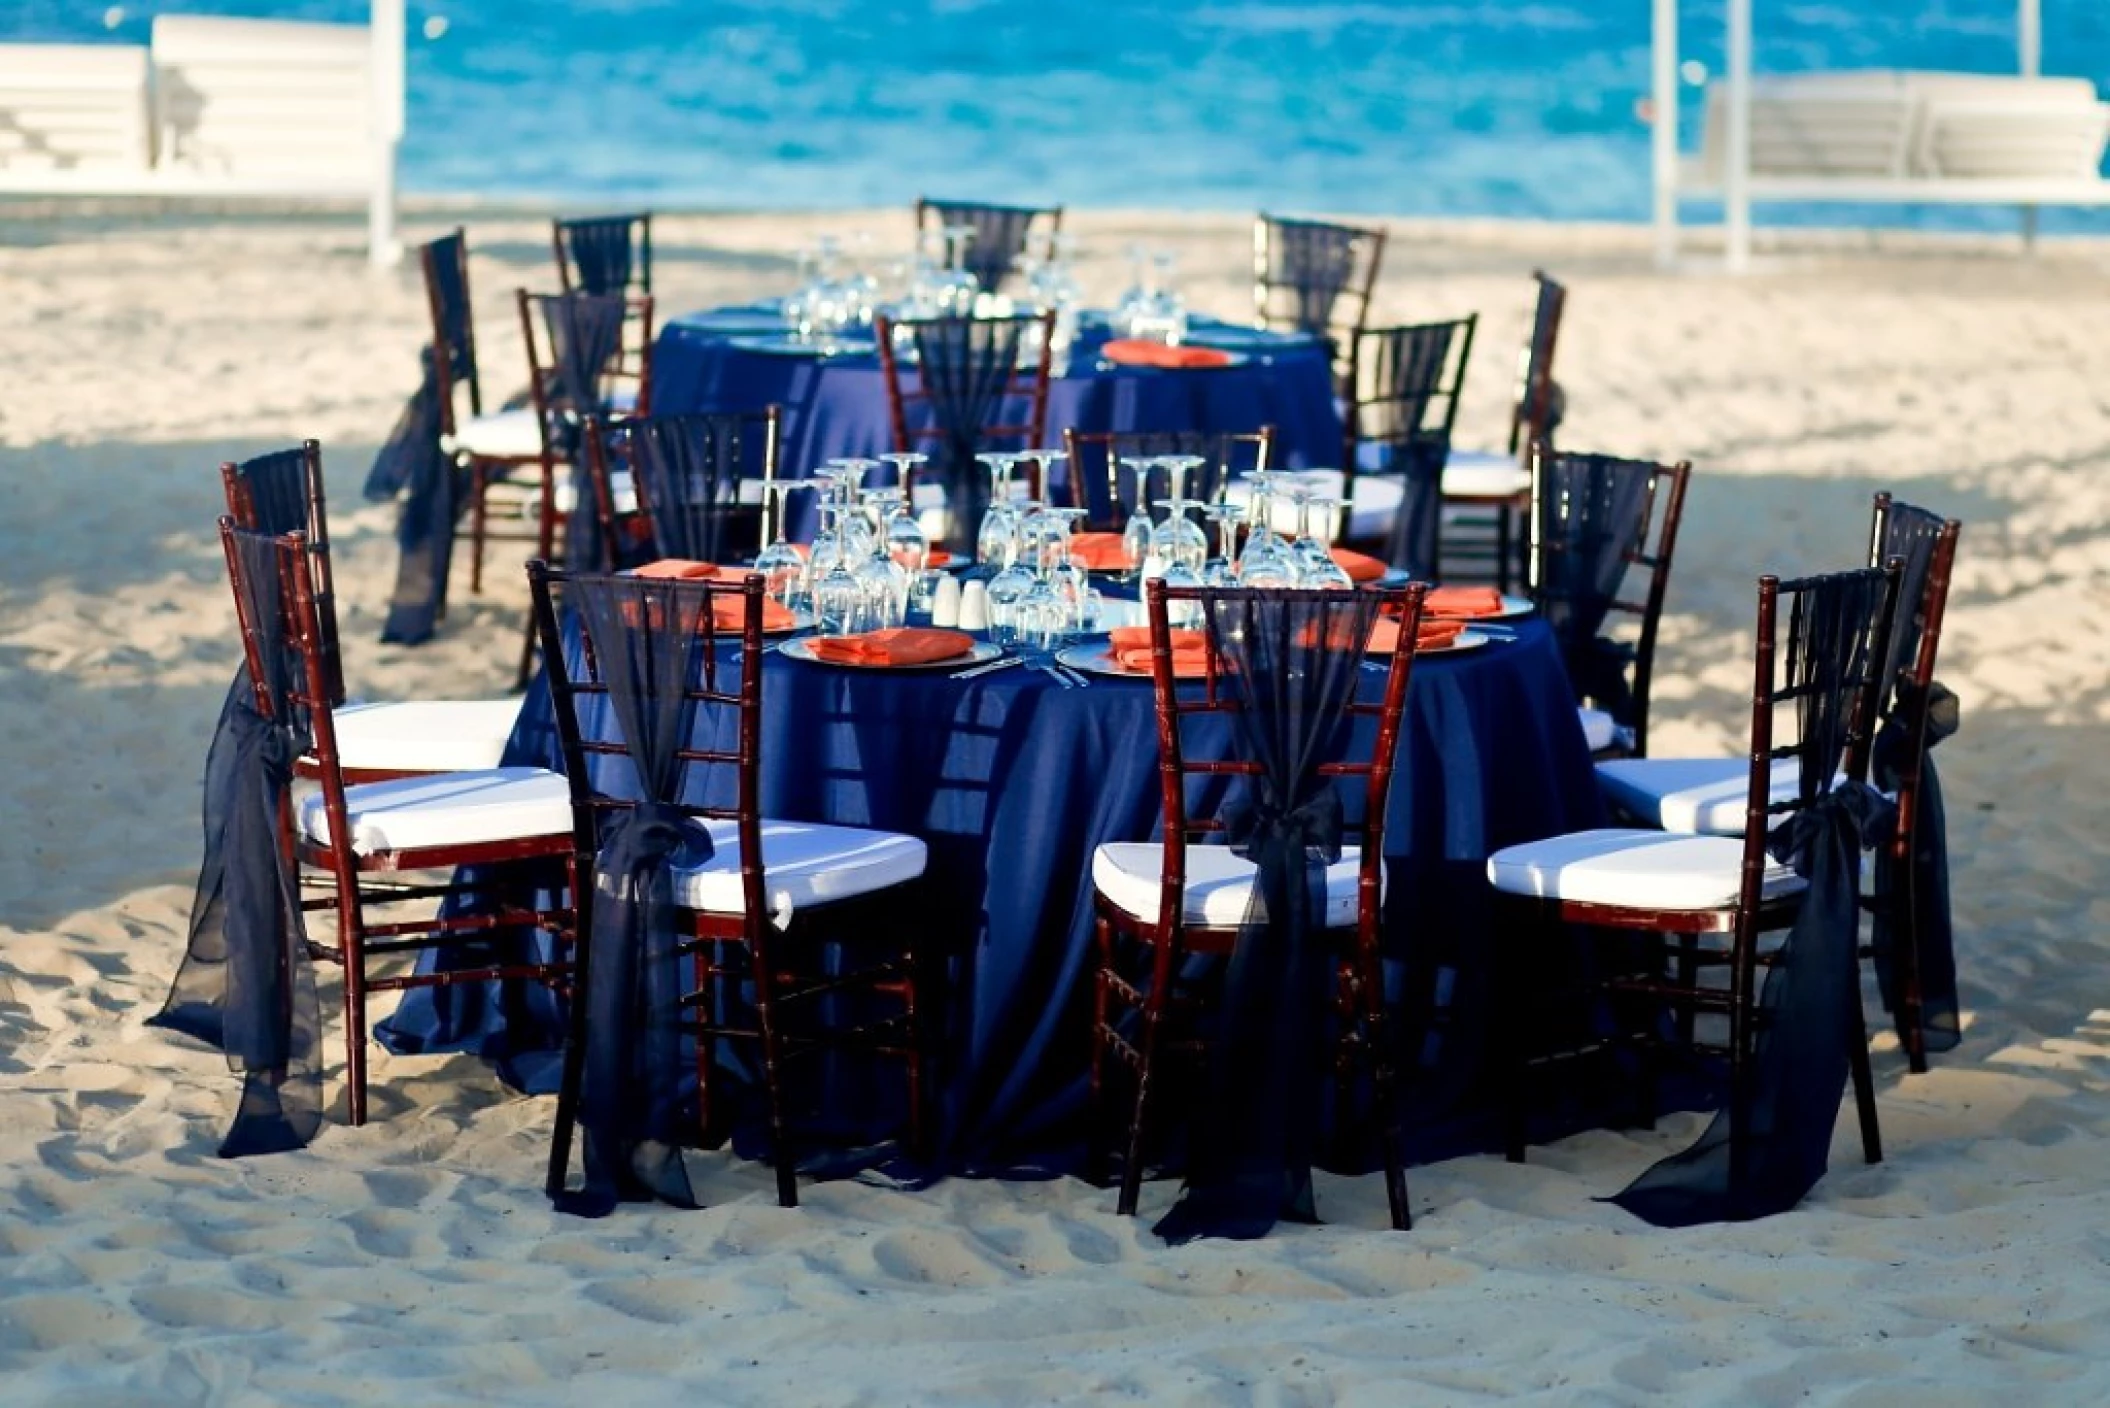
column 357, row 880
column 1910, row 711
column 1033, row 386
column 1663, row 510
column 1523, row 923
column 1169, row 938
column 930, row 215
column 1531, row 417
column 1113, row 446
column 638, row 525
column 1358, row 290
column 1418, row 389
column 780, row 982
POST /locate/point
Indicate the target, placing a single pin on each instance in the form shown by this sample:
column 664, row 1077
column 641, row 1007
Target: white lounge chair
column 215, row 108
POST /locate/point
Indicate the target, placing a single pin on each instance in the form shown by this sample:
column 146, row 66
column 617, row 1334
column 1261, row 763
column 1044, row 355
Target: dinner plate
column 1230, row 337
column 1233, row 359
column 738, row 322
column 983, row 652
column 1097, row 658
column 783, row 345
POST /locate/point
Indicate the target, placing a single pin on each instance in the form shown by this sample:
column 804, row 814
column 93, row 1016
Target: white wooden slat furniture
column 213, row 107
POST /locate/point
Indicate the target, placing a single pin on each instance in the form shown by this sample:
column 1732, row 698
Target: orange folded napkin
column 1134, row 352
column 1130, row 647
column 898, row 645
column 1360, row 566
column 1433, row 635
column 1102, row 552
column 679, row 568
column 726, row 614
column 1462, row 602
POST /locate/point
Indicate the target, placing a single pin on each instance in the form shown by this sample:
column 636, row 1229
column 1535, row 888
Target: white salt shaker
column 974, row 607
column 945, row 601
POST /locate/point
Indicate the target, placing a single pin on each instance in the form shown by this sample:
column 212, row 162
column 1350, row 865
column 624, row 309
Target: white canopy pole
column 385, row 34
column 2029, row 43
column 1664, row 134
column 1736, row 211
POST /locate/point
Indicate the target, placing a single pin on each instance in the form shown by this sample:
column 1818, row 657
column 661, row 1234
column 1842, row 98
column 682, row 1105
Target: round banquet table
column 1013, row 780
column 716, row 361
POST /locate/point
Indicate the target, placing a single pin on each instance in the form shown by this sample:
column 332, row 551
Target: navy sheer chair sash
column 1292, row 662
column 246, row 984
column 689, row 470
column 1913, row 939
column 1766, row 1149
column 651, row 642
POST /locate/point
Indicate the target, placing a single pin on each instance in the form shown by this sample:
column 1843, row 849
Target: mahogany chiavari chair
column 1596, row 520
column 978, row 383
column 681, row 486
column 1001, row 232
column 1689, row 906
column 1099, row 466
column 1493, row 485
column 1317, row 278
column 604, row 254
column 502, row 821
column 781, row 926
column 1402, row 405
column 1156, row 903
column 282, row 492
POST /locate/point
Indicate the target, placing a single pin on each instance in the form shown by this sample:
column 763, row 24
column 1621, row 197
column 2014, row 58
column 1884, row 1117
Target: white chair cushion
column 497, row 435
column 803, row 864
column 447, row 809
column 1219, row 884
column 425, row 735
column 1602, row 731
column 1483, row 474
column 621, row 488
column 1694, row 796
column 1637, row 869
column 622, row 398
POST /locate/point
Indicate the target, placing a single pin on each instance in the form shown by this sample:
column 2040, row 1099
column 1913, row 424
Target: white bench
column 213, row 107
column 1883, row 135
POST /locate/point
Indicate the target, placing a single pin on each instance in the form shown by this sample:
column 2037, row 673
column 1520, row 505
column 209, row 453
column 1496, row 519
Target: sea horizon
column 1399, row 110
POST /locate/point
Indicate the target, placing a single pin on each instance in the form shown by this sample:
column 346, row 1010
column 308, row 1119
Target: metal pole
column 1737, row 202
column 1664, row 135
column 2029, row 42
column 386, row 65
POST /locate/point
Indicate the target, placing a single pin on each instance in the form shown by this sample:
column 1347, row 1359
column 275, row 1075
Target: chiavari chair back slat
column 1001, row 232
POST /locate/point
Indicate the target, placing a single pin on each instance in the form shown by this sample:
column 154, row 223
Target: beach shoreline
column 417, row 1259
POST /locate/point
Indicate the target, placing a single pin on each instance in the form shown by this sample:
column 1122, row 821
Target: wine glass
column 1177, row 468
column 1006, row 589
column 996, row 540
column 837, row 598
column 1218, row 570
column 1135, row 534
column 1314, row 553
column 779, row 563
column 1179, row 539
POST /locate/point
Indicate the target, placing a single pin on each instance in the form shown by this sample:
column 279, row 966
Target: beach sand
column 416, row 1259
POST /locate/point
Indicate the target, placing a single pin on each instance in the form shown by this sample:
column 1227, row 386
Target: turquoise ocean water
column 1508, row 108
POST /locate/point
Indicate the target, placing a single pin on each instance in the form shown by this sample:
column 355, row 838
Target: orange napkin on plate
column 898, row 645
column 1360, row 566
column 1101, row 552
column 1130, row 647
column 1134, row 352
column 1462, row 602
column 1433, row 635
column 677, row 567
column 726, row 614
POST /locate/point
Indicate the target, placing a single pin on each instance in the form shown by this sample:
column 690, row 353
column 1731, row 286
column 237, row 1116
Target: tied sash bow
column 630, row 1106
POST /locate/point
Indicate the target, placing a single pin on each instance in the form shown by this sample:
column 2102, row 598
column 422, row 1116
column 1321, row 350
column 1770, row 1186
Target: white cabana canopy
column 2063, row 178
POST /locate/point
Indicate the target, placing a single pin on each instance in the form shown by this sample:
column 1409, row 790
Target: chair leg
column 1377, row 1040
column 702, row 972
column 1864, row 1084
column 526, row 671
column 1502, row 553
column 1102, row 1014
column 570, row 1086
column 479, row 513
column 1132, row 1170
column 773, row 1080
column 1905, row 955
column 1508, row 1027
column 919, row 1144
column 353, row 941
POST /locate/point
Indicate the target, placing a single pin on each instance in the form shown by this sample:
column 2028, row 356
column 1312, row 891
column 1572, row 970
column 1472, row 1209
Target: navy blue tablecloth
column 837, row 406
column 1013, row 781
